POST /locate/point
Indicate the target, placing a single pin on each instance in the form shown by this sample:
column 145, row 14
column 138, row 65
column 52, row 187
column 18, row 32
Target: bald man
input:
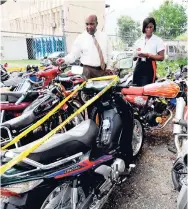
column 93, row 49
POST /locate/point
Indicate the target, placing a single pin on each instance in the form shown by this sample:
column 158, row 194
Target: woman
column 149, row 49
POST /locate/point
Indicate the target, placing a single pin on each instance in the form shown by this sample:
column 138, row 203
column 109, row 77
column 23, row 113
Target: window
column 171, row 49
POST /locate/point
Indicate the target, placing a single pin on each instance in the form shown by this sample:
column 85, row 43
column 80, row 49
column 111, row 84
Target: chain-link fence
column 27, row 46
column 19, row 49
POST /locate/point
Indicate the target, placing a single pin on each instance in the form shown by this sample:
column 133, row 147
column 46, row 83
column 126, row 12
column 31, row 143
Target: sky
column 137, row 9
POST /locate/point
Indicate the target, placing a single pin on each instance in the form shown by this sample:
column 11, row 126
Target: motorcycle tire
column 177, row 167
column 138, row 137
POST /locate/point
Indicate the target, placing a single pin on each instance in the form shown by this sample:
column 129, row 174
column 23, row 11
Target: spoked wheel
column 60, row 198
column 179, row 176
column 80, row 117
column 138, row 137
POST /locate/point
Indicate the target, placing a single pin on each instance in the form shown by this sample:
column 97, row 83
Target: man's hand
column 60, row 61
column 109, row 72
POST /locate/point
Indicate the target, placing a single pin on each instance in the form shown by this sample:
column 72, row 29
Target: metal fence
column 26, row 46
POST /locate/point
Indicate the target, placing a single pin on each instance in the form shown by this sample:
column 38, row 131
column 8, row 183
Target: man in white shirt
column 93, row 49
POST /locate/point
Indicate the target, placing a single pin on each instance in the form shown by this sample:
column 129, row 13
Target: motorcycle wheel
column 80, row 117
column 60, row 198
column 177, row 178
column 138, row 137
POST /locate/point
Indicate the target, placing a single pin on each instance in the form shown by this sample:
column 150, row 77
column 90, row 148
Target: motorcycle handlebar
column 21, row 99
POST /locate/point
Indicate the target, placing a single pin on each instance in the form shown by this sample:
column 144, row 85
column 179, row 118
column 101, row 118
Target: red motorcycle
column 13, row 103
column 152, row 102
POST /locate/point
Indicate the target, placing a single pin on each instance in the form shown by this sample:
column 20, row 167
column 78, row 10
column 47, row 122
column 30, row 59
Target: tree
column 129, row 30
column 171, row 20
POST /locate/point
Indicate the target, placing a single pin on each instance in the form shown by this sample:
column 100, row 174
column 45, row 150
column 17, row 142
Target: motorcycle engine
column 158, row 109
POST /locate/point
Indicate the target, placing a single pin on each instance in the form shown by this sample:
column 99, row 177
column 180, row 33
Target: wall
column 13, row 48
column 38, row 16
column 75, row 14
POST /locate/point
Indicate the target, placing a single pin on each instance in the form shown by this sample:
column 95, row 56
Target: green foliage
column 172, row 64
column 171, row 20
column 129, row 30
column 182, row 37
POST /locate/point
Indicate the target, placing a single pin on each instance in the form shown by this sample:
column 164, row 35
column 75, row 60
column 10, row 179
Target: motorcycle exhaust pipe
column 180, row 105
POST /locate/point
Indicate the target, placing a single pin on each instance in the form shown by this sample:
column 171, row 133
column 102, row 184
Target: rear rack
column 39, row 166
column 8, row 137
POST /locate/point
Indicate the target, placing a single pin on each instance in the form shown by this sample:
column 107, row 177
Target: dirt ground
column 150, row 185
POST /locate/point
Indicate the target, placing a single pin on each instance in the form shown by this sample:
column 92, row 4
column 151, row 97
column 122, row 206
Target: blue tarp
column 46, row 45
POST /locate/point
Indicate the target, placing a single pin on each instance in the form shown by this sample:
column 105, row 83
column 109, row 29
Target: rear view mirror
column 125, row 63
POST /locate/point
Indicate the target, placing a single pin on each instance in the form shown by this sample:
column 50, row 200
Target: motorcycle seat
column 20, row 122
column 78, row 139
column 97, row 85
column 12, row 97
column 133, row 91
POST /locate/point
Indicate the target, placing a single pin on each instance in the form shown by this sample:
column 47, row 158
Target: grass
column 20, row 63
column 160, row 65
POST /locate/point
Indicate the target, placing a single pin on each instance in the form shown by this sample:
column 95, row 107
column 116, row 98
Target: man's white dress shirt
column 85, row 49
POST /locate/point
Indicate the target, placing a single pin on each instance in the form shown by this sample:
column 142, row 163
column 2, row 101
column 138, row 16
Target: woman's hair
column 146, row 22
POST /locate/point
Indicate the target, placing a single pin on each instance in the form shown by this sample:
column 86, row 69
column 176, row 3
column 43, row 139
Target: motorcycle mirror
column 124, row 63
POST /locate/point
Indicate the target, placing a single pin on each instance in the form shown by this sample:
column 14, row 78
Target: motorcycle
column 152, row 102
column 182, row 201
column 15, row 78
column 77, row 169
column 46, row 101
column 13, row 103
column 179, row 77
column 179, row 170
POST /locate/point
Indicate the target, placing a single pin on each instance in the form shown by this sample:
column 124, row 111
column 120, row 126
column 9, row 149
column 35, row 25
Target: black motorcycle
column 46, row 101
column 77, row 169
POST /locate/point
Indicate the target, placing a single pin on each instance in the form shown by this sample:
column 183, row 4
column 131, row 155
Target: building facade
column 50, row 17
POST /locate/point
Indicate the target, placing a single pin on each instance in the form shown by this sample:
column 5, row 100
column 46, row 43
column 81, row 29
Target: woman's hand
column 143, row 55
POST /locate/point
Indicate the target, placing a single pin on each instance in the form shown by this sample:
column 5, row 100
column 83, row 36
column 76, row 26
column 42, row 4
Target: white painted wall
column 13, row 48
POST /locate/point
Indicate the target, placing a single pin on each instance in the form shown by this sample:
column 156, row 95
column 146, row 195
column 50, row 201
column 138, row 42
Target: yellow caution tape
column 25, row 153
column 109, row 77
column 42, row 120
column 19, row 69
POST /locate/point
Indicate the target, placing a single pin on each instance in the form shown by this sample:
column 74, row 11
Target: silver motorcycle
column 180, row 166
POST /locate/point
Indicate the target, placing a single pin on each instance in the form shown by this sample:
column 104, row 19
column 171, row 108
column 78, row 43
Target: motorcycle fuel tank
column 167, row 89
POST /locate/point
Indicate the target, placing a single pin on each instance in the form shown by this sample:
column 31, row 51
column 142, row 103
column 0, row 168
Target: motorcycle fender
column 114, row 130
column 17, row 201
